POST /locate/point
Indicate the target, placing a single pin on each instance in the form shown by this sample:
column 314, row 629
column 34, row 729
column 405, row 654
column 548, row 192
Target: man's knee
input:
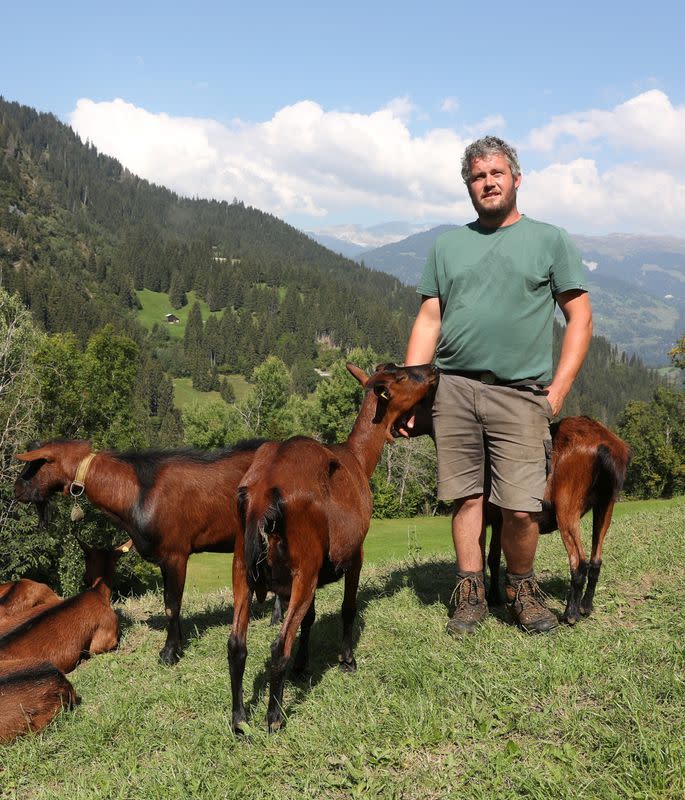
column 467, row 503
column 519, row 521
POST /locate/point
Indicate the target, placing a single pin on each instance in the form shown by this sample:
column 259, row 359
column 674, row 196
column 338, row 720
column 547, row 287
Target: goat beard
column 44, row 512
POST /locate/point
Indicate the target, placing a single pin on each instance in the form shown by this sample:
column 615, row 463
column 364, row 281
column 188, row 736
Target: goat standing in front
column 171, row 503
column 306, row 509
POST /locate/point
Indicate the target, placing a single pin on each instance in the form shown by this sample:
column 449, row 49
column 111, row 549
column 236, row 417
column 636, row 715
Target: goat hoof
column 275, row 725
column 569, row 619
column 169, row 656
column 586, row 611
column 241, row 728
column 347, row 666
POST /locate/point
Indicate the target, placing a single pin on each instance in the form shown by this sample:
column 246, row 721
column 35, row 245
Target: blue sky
column 359, row 113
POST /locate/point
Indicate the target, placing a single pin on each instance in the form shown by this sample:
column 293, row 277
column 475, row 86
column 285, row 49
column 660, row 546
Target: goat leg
column 302, row 657
column 237, row 641
column 571, row 613
column 174, row 575
column 494, row 595
column 301, row 600
column 592, row 578
column 346, row 658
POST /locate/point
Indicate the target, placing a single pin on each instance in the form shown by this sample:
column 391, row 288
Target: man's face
column 492, row 187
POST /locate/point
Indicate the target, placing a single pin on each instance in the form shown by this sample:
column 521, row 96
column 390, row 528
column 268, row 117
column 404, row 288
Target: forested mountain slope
column 79, row 234
column 80, row 237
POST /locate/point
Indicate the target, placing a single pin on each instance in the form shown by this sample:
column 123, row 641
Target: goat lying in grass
column 17, row 596
column 72, row 629
column 32, row 693
column 306, row 509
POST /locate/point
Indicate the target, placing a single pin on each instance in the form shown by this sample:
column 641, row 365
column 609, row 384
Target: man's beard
column 501, row 211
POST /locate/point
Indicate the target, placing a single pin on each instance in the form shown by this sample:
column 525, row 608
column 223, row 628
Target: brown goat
column 589, row 465
column 97, row 565
column 32, row 693
column 20, row 595
column 306, row 509
column 171, row 503
column 73, row 629
column 588, row 470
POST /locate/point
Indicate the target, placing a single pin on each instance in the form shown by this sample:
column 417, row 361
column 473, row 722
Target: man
column 488, row 297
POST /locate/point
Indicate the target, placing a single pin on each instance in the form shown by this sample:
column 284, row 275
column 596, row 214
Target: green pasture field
column 185, row 395
column 593, row 711
column 390, row 539
column 156, row 306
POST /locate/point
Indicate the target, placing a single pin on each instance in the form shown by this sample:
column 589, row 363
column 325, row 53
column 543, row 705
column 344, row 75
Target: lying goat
column 17, row 596
column 73, row 629
column 32, row 693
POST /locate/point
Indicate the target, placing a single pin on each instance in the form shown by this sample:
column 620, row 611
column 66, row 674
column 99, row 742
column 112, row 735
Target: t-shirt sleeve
column 568, row 271
column 428, row 285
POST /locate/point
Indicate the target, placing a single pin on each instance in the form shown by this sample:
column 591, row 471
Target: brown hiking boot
column 471, row 606
column 525, row 601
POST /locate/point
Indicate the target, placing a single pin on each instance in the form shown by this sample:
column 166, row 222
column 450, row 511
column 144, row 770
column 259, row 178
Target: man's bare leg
column 468, row 535
column 520, row 534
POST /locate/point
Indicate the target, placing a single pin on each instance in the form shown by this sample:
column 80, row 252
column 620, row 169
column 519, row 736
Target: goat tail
column 610, row 470
column 263, row 515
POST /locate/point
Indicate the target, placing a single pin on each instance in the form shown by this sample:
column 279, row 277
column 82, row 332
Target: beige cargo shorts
column 472, row 420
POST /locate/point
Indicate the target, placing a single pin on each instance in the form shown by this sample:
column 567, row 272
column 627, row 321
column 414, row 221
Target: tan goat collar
column 78, row 484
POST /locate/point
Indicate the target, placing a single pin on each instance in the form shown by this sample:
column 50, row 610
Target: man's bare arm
column 424, row 334
column 576, row 308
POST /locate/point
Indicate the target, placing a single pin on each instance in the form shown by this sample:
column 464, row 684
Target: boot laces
column 465, row 592
column 529, row 593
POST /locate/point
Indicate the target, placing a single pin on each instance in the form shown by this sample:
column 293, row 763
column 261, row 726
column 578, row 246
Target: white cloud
column 449, row 105
column 591, row 265
column 647, row 122
column 309, row 162
column 304, row 160
column 490, row 124
column 627, row 198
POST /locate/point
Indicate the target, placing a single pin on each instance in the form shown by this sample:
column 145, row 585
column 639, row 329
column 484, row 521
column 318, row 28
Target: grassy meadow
column 156, row 305
column 593, row 711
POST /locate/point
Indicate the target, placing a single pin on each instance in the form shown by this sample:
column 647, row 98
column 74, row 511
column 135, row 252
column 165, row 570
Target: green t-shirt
column 496, row 290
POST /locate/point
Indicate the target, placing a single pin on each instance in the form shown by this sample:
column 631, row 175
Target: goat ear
column 35, row 455
column 358, row 373
column 381, row 390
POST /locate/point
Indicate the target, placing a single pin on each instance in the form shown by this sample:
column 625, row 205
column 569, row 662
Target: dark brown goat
column 73, row 629
column 32, row 693
column 171, row 503
column 17, row 596
column 589, row 465
column 306, row 509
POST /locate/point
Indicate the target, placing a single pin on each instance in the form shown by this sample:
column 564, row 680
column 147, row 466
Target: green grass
column 593, row 711
column 156, row 306
column 185, row 395
column 390, row 539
